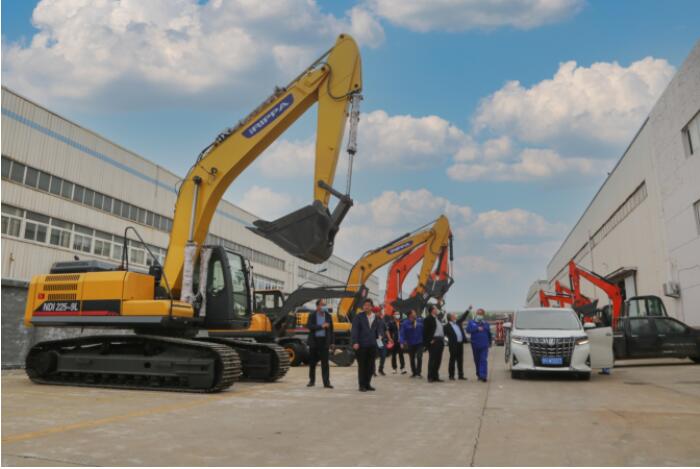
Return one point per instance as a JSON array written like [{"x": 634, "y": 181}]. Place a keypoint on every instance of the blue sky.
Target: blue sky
[{"x": 513, "y": 165}]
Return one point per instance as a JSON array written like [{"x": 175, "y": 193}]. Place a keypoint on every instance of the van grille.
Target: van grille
[{"x": 551, "y": 347}]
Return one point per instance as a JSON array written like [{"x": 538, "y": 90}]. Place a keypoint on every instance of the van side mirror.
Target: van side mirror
[{"x": 507, "y": 325}]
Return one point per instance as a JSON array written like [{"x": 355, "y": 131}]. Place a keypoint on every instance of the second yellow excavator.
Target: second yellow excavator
[{"x": 200, "y": 288}]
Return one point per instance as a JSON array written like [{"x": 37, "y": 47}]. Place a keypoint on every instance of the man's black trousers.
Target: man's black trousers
[
  {"x": 435, "y": 358},
  {"x": 316, "y": 354},
  {"x": 456, "y": 358},
  {"x": 365, "y": 358},
  {"x": 415, "y": 358}
]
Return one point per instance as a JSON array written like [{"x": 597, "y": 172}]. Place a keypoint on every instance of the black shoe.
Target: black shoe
[
  {"x": 374, "y": 375},
  {"x": 438, "y": 380},
  {"x": 403, "y": 372},
  {"x": 413, "y": 376},
  {"x": 430, "y": 380},
  {"x": 311, "y": 384},
  {"x": 452, "y": 378},
  {"x": 328, "y": 385},
  {"x": 363, "y": 389},
  {"x": 382, "y": 373},
  {"x": 370, "y": 388},
  {"x": 462, "y": 378}
]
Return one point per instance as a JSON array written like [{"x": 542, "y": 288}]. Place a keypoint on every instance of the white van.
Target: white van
[{"x": 554, "y": 340}]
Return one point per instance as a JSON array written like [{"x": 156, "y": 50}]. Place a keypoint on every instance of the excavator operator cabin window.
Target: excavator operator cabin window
[{"x": 239, "y": 284}]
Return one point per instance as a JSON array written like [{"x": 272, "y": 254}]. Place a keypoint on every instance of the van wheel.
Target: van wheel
[
  {"x": 695, "y": 359},
  {"x": 514, "y": 374}
]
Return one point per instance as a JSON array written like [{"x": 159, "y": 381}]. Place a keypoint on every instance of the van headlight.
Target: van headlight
[
  {"x": 519, "y": 340},
  {"x": 582, "y": 340}
]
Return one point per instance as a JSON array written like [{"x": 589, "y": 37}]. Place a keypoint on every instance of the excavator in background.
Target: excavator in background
[
  {"x": 437, "y": 285},
  {"x": 436, "y": 238},
  {"x": 546, "y": 299},
  {"x": 185, "y": 314}
]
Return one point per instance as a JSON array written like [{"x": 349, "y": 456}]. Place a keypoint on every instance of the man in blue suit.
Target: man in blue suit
[
  {"x": 481, "y": 341},
  {"x": 364, "y": 341}
]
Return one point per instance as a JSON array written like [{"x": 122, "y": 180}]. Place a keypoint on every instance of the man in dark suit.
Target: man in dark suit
[
  {"x": 456, "y": 338},
  {"x": 320, "y": 326},
  {"x": 364, "y": 342},
  {"x": 434, "y": 341}
]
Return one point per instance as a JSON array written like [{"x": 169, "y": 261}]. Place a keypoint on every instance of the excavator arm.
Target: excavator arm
[
  {"x": 435, "y": 287},
  {"x": 576, "y": 273},
  {"x": 435, "y": 238},
  {"x": 334, "y": 81},
  {"x": 547, "y": 297}
]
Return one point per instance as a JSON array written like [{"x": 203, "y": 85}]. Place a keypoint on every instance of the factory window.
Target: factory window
[
  {"x": 691, "y": 135},
  {"x": 32, "y": 177},
  {"x": 17, "y": 172},
  {"x": 137, "y": 255},
  {"x": 55, "y": 185},
  {"x": 11, "y": 220},
  {"x": 6, "y": 163},
  {"x": 262, "y": 282},
  {"x": 696, "y": 207},
  {"x": 60, "y": 233},
  {"x": 117, "y": 251},
  {"x": 36, "y": 227},
  {"x": 107, "y": 203},
  {"x": 98, "y": 201},
  {"x": 103, "y": 243},
  {"x": 44, "y": 181},
  {"x": 117, "y": 207},
  {"x": 78, "y": 193},
  {"x": 67, "y": 189},
  {"x": 89, "y": 195}
]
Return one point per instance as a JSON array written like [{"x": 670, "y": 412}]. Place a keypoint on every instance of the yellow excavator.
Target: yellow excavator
[
  {"x": 200, "y": 288},
  {"x": 436, "y": 237}
]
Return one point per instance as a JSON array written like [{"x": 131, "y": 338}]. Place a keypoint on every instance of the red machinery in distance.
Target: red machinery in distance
[
  {"x": 546, "y": 299},
  {"x": 583, "y": 304},
  {"x": 438, "y": 284}
]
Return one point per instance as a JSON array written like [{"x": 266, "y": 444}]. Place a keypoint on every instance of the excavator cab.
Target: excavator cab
[
  {"x": 307, "y": 233},
  {"x": 227, "y": 293}
]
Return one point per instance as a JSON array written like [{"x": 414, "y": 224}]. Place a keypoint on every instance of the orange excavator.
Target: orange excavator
[
  {"x": 437, "y": 286},
  {"x": 584, "y": 305},
  {"x": 546, "y": 299}
]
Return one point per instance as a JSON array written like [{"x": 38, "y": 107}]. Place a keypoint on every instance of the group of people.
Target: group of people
[{"x": 375, "y": 335}]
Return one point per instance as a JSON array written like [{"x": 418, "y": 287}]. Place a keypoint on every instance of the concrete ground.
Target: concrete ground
[{"x": 645, "y": 414}]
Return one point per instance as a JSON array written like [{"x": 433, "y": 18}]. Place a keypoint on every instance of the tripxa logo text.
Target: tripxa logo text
[
  {"x": 276, "y": 111},
  {"x": 400, "y": 247}
]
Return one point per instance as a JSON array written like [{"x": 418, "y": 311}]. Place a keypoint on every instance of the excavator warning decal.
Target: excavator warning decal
[{"x": 269, "y": 116}]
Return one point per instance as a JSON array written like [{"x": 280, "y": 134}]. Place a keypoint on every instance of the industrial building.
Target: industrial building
[
  {"x": 641, "y": 231},
  {"x": 69, "y": 192}
]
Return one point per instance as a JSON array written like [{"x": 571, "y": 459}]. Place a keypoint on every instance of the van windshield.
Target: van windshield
[{"x": 547, "y": 319}]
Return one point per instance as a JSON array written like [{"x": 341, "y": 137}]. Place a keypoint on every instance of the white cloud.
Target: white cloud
[
  {"x": 266, "y": 203},
  {"x": 464, "y": 265},
  {"x": 528, "y": 165},
  {"x": 414, "y": 142},
  {"x": 580, "y": 107},
  {"x": 410, "y": 209},
  {"x": 133, "y": 52},
  {"x": 383, "y": 141},
  {"x": 515, "y": 223},
  {"x": 461, "y": 15}
]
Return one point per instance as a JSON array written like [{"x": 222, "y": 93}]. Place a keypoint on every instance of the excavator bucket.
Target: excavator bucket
[
  {"x": 404, "y": 305},
  {"x": 438, "y": 288},
  {"x": 307, "y": 233}
]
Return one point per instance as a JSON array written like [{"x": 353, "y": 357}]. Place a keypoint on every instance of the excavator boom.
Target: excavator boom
[
  {"x": 334, "y": 81},
  {"x": 576, "y": 273}
]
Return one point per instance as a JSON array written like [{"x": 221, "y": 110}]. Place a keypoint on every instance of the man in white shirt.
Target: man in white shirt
[{"x": 456, "y": 337}]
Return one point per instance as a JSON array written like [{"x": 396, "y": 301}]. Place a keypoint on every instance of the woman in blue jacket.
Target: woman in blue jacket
[{"x": 480, "y": 332}]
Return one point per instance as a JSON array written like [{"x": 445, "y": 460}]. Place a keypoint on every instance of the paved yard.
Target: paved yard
[{"x": 645, "y": 414}]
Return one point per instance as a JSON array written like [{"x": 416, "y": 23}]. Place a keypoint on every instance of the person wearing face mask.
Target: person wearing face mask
[
  {"x": 456, "y": 337},
  {"x": 364, "y": 341},
  {"x": 320, "y": 326},
  {"x": 481, "y": 341}
]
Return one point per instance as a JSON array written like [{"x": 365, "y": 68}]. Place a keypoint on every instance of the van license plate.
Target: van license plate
[{"x": 552, "y": 361}]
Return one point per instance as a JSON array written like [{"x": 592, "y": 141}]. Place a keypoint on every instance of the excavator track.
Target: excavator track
[
  {"x": 261, "y": 361},
  {"x": 135, "y": 362}
]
